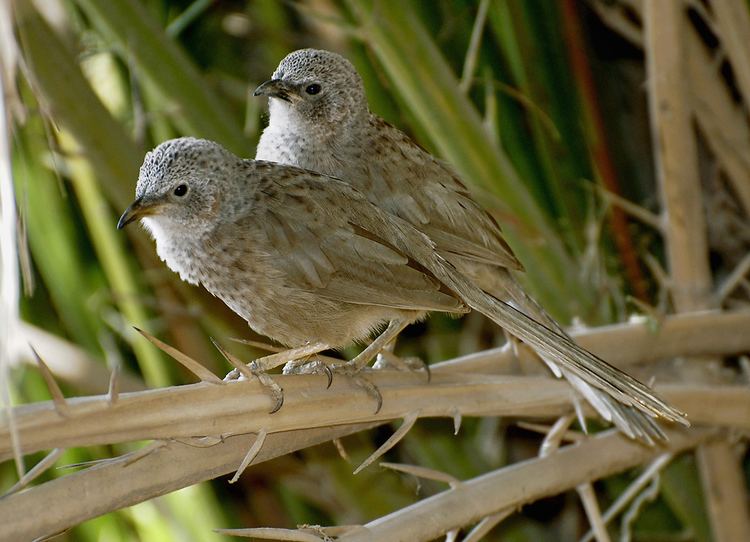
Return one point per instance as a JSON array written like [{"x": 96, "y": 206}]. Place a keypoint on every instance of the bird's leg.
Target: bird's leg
[
  {"x": 373, "y": 349},
  {"x": 266, "y": 363},
  {"x": 351, "y": 368}
]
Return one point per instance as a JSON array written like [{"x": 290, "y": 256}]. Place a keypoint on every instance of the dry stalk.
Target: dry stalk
[
  {"x": 518, "y": 484},
  {"x": 725, "y": 492},
  {"x": 714, "y": 110},
  {"x": 243, "y": 407},
  {"x": 423, "y": 472},
  {"x": 569, "y": 435},
  {"x": 252, "y": 453},
  {"x": 676, "y": 154},
  {"x": 58, "y": 399},
  {"x": 271, "y": 533},
  {"x": 175, "y": 465},
  {"x": 120, "y": 482},
  {"x": 486, "y": 525},
  {"x": 68, "y": 362},
  {"x": 409, "y": 421},
  {"x": 631, "y": 514},
  {"x": 717, "y": 116},
  {"x": 694, "y": 334},
  {"x": 554, "y": 437},
  {"x": 734, "y": 279},
  {"x": 665, "y": 34},
  {"x": 733, "y": 25},
  {"x": 186, "y": 361},
  {"x": 36, "y": 471},
  {"x": 634, "y": 210},
  {"x": 614, "y": 16},
  {"x": 593, "y": 513},
  {"x": 632, "y": 491}
]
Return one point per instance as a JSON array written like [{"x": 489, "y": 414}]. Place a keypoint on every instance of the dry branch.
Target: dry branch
[
  {"x": 717, "y": 115},
  {"x": 676, "y": 154},
  {"x": 666, "y": 35},
  {"x": 67, "y": 501},
  {"x": 713, "y": 107},
  {"x": 632, "y": 491},
  {"x": 68, "y": 362},
  {"x": 733, "y": 24},
  {"x": 518, "y": 484},
  {"x": 242, "y": 407},
  {"x": 727, "y": 501},
  {"x": 691, "y": 334}
]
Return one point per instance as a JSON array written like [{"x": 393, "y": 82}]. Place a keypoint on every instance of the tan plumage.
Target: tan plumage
[
  {"x": 307, "y": 259},
  {"x": 332, "y": 131}
]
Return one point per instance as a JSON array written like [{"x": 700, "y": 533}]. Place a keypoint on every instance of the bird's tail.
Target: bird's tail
[{"x": 632, "y": 406}]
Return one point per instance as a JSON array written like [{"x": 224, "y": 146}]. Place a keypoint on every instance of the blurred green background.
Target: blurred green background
[{"x": 536, "y": 102}]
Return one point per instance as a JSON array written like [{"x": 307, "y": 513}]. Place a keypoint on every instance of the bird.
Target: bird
[
  {"x": 307, "y": 260},
  {"x": 319, "y": 120}
]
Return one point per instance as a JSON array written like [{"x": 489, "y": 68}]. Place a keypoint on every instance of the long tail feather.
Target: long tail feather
[{"x": 617, "y": 396}]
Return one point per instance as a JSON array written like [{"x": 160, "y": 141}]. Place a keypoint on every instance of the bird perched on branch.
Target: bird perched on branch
[
  {"x": 319, "y": 120},
  {"x": 308, "y": 261}
]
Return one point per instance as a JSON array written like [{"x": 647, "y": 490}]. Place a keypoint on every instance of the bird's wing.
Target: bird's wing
[
  {"x": 318, "y": 249},
  {"x": 410, "y": 183},
  {"x": 616, "y": 395},
  {"x": 328, "y": 210}
]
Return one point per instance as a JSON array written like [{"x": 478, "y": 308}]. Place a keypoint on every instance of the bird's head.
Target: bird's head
[
  {"x": 181, "y": 186},
  {"x": 318, "y": 88}
]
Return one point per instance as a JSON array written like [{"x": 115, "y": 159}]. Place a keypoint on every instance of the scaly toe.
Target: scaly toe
[
  {"x": 353, "y": 372},
  {"x": 389, "y": 360},
  {"x": 371, "y": 389},
  {"x": 276, "y": 391},
  {"x": 234, "y": 375}
]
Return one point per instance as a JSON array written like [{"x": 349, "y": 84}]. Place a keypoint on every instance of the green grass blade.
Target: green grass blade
[
  {"x": 200, "y": 110},
  {"x": 68, "y": 98},
  {"x": 430, "y": 89}
]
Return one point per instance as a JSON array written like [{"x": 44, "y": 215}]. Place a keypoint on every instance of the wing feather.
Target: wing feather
[{"x": 326, "y": 254}]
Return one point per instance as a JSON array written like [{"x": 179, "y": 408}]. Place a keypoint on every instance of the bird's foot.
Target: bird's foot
[
  {"x": 234, "y": 375},
  {"x": 251, "y": 370},
  {"x": 261, "y": 366},
  {"x": 354, "y": 371},
  {"x": 388, "y": 360},
  {"x": 307, "y": 367},
  {"x": 330, "y": 367},
  {"x": 276, "y": 391}
]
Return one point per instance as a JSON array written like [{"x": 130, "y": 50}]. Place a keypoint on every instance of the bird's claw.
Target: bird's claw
[
  {"x": 304, "y": 367},
  {"x": 276, "y": 391},
  {"x": 371, "y": 389},
  {"x": 329, "y": 369},
  {"x": 233, "y": 375},
  {"x": 354, "y": 372},
  {"x": 387, "y": 359}
]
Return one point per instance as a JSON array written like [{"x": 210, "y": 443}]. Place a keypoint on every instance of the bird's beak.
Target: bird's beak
[
  {"x": 137, "y": 209},
  {"x": 275, "y": 88}
]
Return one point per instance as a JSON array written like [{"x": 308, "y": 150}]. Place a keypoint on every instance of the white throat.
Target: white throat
[{"x": 174, "y": 246}]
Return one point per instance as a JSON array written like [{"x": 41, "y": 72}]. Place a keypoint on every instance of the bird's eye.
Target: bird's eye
[
  {"x": 312, "y": 89},
  {"x": 180, "y": 190}
]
